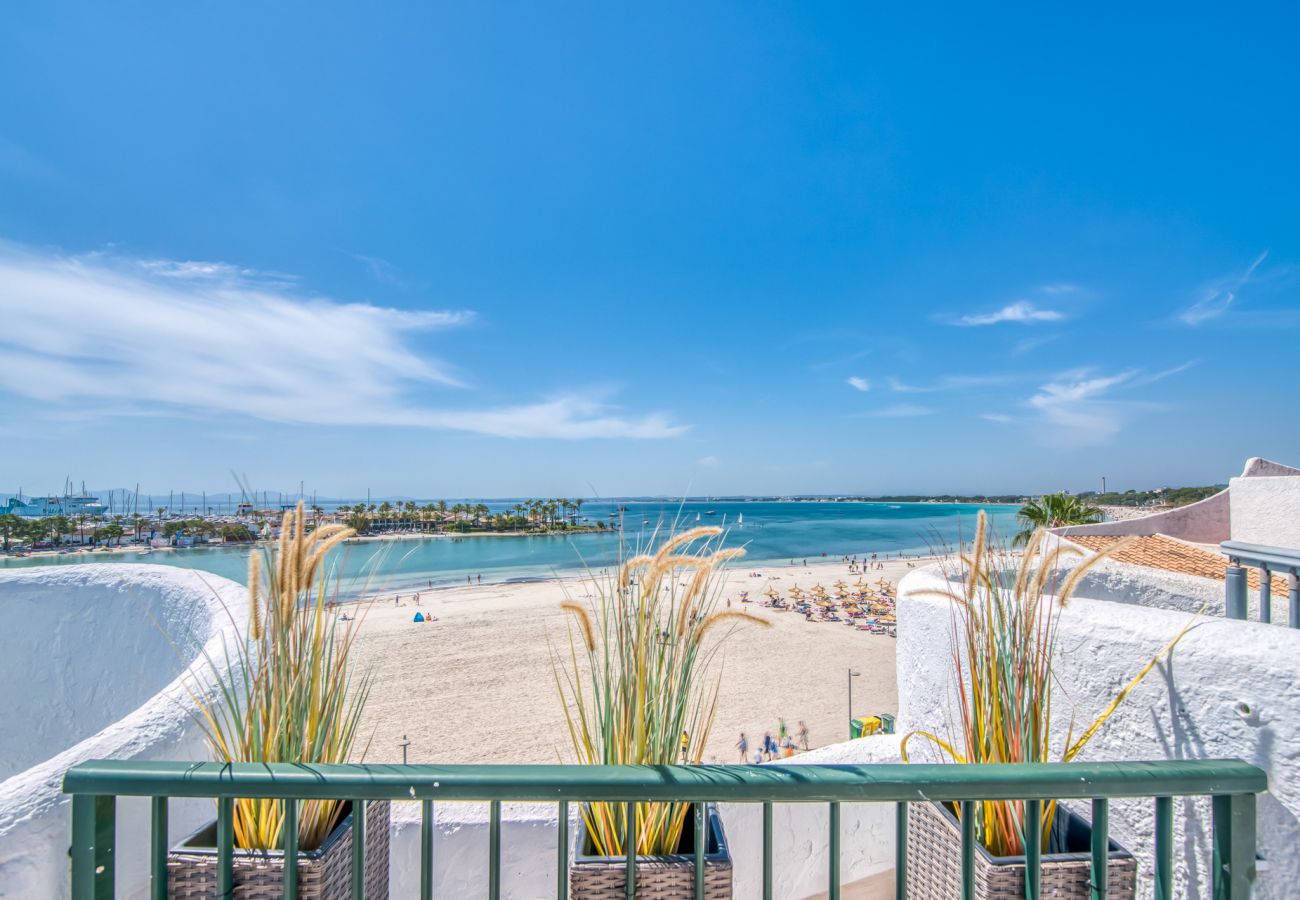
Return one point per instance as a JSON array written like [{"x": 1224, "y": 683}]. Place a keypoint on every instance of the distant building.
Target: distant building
[{"x": 40, "y": 507}]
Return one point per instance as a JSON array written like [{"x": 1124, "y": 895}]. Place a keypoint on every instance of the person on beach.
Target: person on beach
[
  {"x": 803, "y": 734},
  {"x": 686, "y": 743},
  {"x": 743, "y": 746}
]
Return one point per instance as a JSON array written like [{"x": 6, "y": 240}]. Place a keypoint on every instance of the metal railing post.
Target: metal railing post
[
  {"x": 93, "y": 831},
  {"x": 1234, "y": 846},
  {"x": 1234, "y": 596},
  {"x": 1294, "y": 583}
]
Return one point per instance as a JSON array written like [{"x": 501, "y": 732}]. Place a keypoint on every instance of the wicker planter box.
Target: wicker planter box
[
  {"x": 323, "y": 874},
  {"x": 934, "y": 861},
  {"x": 657, "y": 877}
]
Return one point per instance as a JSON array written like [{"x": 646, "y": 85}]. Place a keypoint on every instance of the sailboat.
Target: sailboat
[{"x": 740, "y": 520}]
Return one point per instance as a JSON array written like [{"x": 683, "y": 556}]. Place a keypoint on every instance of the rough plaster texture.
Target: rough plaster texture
[
  {"x": 1266, "y": 510},
  {"x": 1227, "y": 691},
  {"x": 93, "y": 646}
]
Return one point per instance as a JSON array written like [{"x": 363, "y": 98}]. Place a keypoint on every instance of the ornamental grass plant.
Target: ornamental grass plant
[
  {"x": 292, "y": 695},
  {"x": 636, "y": 682},
  {"x": 1005, "y": 627}
]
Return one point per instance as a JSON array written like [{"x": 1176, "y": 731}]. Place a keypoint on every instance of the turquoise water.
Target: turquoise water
[{"x": 771, "y": 532}]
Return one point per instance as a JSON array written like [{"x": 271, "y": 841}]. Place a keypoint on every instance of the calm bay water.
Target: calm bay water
[{"x": 771, "y": 532}]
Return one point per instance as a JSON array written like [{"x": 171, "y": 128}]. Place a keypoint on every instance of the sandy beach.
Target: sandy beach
[{"x": 476, "y": 685}]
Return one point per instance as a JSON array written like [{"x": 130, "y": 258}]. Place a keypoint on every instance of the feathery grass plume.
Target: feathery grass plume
[
  {"x": 295, "y": 696},
  {"x": 1004, "y": 628},
  {"x": 636, "y": 679},
  {"x": 732, "y": 615},
  {"x": 579, "y": 612},
  {"x": 254, "y": 606}
]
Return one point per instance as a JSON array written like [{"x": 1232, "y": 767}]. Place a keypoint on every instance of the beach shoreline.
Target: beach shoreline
[{"x": 475, "y": 684}]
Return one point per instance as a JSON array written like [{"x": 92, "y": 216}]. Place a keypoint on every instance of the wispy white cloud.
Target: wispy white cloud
[
  {"x": 708, "y": 461},
  {"x": 858, "y": 384},
  {"x": 1218, "y": 296},
  {"x": 381, "y": 270},
  {"x": 1001, "y": 418},
  {"x": 118, "y": 335},
  {"x": 1077, "y": 411},
  {"x": 949, "y": 383},
  {"x": 1021, "y": 311},
  {"x": 1058, "y": 288},
  {"x": 1153, "y": 377},
  {"x": 902, "y": 411},
  {"x": 1026, "y": 345}
]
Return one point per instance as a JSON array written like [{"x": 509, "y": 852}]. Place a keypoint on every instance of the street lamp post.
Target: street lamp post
[
  {"x": 852, "y": 675},
  {"x": 405, "y": 743}
]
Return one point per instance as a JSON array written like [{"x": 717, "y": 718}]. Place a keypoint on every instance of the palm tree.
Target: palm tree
[
  {"x": 576, "y": 503},
  {"x": 1053, "y": 511}
]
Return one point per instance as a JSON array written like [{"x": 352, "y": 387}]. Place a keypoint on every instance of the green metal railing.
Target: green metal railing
[{"x": 1233, "y": 784}]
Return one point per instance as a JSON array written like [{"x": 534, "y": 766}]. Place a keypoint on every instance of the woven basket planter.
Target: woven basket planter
[
  {"x": 323, "y": 874},
  {"x": 657, "y": 877},
  {"x": 934, "y": 861}
]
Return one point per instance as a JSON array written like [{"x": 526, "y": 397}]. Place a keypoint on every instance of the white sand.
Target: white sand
[{"x": 476, "y": 686}]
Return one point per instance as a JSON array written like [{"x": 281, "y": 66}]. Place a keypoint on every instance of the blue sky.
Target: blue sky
[{"x": 537, "y": 249}]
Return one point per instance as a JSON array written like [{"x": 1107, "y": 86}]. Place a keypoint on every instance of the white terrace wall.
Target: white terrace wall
[
  {"x": 1228, "y": 691},
  {"x": 1266, "y": 510},
  {"x": 91, "y": 658}
]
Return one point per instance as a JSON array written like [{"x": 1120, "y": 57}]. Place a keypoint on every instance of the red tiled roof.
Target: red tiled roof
[{"x": 1159, "y": 551}]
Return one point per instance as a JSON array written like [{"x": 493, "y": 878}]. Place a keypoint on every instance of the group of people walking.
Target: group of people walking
[{"x": 771, "y": 747}]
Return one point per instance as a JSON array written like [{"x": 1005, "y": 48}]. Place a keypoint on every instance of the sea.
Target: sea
[{"x": 772, "y": 532}]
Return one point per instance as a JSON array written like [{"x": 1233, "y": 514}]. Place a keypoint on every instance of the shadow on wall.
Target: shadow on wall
[{"x": 103, "y": 650}]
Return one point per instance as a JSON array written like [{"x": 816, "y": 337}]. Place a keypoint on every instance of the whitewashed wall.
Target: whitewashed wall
[
  {"x": 92, "y": 658},
  {"x": 1228, "y": 691},
  {"x": 1266, "y": 510}
]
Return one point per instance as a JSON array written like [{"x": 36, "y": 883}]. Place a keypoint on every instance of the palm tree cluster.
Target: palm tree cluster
[
  {"x": 529, "y": 515},
  {"x": 1053, "y": 511}
]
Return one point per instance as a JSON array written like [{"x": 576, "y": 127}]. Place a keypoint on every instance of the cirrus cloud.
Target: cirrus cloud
[
  {"x": 1021, "y": 311},
  {"x": 116, "y": 334}
]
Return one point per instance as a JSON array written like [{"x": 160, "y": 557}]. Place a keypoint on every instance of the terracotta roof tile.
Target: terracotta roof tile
[{"x": 1159, "y": 551}]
